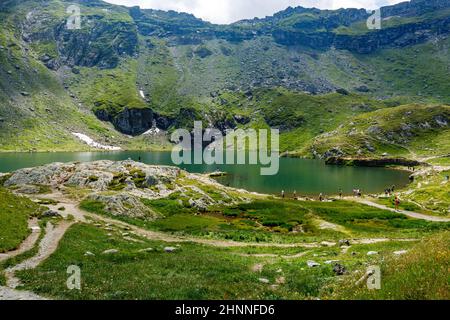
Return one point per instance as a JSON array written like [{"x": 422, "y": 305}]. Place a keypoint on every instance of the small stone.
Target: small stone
[
  {"x": 344, "y": 243},
  {"x": 280, "y": 280},
  {"x": 89, "y": 254},
  {"x": 24, "y": 93},
  {"x": 169, "y": 249},
  {"x": 339, "y": 269},
  {"x": 313, "y": 264},
  {"x": 372, "y": 253},
  {"x": 111, "y": 251},
  {"x": 401, "y": 252},
  {"x": 147, "y": 250},
  {"x": 50, "y": 213},
  {"x": 264, "y": 280}
]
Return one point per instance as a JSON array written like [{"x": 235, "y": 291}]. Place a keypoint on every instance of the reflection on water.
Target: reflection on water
[{"x": 308, "y": 177}]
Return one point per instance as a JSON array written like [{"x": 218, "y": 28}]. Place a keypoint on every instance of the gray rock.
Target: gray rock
[
  {"x": 339, "y": 269},
  {"x": 264, "y": 280},
  {"x": 372, "y": 253},
  {"x": 111, "y": 251},
  {"x": 170, "y": 249},
  {"x": 312, "y": 264},
  {"x": 89, "y": 254},
  {"x": 344, "y": 243},
  {"x": 50, "y": 213}
]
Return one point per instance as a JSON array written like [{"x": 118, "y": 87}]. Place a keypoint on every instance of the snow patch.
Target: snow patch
[
  {"x": 152, "y": 131},
  {"x": 89, "y": 141},
  {"x": 142, "y": 94}
]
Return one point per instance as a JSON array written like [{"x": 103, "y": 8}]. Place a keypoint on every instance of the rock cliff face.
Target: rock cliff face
[{"x": 134, "y": 121}]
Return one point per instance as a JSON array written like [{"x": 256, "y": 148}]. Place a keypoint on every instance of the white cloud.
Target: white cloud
[{"x": 227, "y": 11}]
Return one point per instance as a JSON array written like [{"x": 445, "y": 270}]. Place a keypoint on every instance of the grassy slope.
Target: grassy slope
[
  {"x": 421, "y": 274},
  {"x": 14, "y": 214},
  {"x": 191, "y": 272},
  {"x": 387, "y": 130},
  {"x": 277, "y": 221},
  {"x": 432, "y": 192}
]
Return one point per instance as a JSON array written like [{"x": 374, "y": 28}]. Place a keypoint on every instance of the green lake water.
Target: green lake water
[{"x": 307, "y": 177}]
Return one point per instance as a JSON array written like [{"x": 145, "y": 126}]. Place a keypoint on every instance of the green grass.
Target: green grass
[
  {"x": 199, "y": 272},
  {"x": 431, "y": 192},
  {"x": 421, "y": 274},
  {"x": 276, "y": 220},
  {"x": 364, "y": 220},
  {"x": 14, "y": 214},
  {"x": 400, "y": 131},
  {"x": 192, "y": 272}
]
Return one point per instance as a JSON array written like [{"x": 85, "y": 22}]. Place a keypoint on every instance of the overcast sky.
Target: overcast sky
[{"x": 227, "y": 11}]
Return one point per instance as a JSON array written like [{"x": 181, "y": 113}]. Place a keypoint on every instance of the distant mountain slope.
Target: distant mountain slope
[
  {"x": 414, "y": 131},
  {"x": 128, "y": 70}
]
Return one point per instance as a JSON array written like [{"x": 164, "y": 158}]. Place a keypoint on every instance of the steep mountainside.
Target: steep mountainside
[{"x": 128, "y": 70}]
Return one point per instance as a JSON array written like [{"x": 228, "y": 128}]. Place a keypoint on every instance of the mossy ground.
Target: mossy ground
[
  {"x": 191, "y": 272},
  {"x": 420, "y": 274},
  {"x": 14, "y": 214}
]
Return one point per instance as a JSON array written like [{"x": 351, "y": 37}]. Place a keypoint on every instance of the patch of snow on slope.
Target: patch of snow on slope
[
  {"x": 89, "y": 141},
  {"x": 142, "y": 94},
  {"x": 152, "y": 131}
]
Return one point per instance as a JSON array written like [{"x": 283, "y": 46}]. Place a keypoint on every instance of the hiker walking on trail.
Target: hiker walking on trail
[
  {"x": 295, "y": 194},
  {"x": 321, "y": 197},
  {"x": 282, "y": 194},
  {"x": 397, "y": 203},
  {"x": 340, "y": 193}
]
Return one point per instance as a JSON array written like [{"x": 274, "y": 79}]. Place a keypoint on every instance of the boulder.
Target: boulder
[
  {"x": 50, "y": 213},
  {"x": 111, "y": 251},
  {"x": 312, "y": 264},
  {"x": 170, "y": 249},
  {"x": 339, "y": 269}
]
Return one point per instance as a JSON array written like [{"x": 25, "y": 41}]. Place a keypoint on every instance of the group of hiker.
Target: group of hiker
[
  {"x": 357, "y": 192},
  {"x": 389, "y": 191}
]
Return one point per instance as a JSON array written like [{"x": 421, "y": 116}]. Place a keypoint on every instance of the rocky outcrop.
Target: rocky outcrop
[
  {"x": 120, "y": 204},
  {"x": 98, "y": 176},
  {"x": 100, "y": 42},
  {"x": 132, "y": 121},
  {"x": 368, "y": 162}
]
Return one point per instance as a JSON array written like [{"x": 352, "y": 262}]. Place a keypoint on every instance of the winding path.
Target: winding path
[
  {"x": 29, "y": 242},
  {"x": 54, "y": 234},
  {"x": 410, "y": 214}
]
